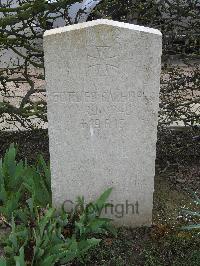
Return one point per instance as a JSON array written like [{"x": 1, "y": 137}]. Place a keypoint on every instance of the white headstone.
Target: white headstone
[{"x": 103, "y": 96}]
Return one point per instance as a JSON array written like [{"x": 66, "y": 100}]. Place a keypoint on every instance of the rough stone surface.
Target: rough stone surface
[{"x": 103, "y": 96}]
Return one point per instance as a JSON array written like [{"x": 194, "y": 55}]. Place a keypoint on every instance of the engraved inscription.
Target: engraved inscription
[
  {"x": 109, "y": 109},
  {"x": 111, "y": 95},
  {"x": 102, "y": 61},
  {"x": 103, "y": 123}
]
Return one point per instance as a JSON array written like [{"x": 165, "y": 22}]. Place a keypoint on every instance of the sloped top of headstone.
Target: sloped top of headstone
[{"x": 102, "y": 22}]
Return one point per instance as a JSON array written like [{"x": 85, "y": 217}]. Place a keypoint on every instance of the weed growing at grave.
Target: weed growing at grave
[
  {"x": 19, "y": 182},
  {"x": 39, "y": 235},
  {"x": 192, "y": 214}
]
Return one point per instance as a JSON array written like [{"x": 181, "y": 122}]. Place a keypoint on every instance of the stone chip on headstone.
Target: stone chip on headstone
[{"x": 103, "y": 81}]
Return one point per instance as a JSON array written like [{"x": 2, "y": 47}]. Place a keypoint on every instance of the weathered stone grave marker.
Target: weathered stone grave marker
[{"x": 103, "y": 95}]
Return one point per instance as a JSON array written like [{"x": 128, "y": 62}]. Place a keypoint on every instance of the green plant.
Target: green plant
[
  {"x": 89, "y": 216},
  {"x": 192, "y": 214},
  {"x": 42, "y": 242},
  {"x": 39, "y": 234},
  {"x": 42, "y": 237},
  {"x": 19, "y": 181},
  {"x": 38, "y": 182}
]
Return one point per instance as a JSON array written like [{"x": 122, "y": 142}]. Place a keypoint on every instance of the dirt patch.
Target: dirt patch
[
  {"x": 178, "y": 154},
  {"x": 29, "y": 144}
]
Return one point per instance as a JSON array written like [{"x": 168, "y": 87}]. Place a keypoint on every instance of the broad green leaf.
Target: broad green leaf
[
  {"x": 20, "y": 260},
  {"x": 21, "y": 214},
  {"x": 96, "y": 224},
  {"x": 70, "y": 253},
  {"x": 3, "y": 262},
  {"x": 110, "y": 228},
  {"x": 49, "y": 261},
  {"x": 102, "y": 199},
  {"x": 80, "y": 228},
  {"x": 3, "y": 194},
  {"x": 85, "y": 245},
  {"x": 1, "y": 174},
  {"x": 45, "y": 220},
  {"x": 9, "y": 161}
]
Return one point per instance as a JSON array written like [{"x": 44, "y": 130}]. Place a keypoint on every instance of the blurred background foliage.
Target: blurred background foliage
[{"x": 22, "y": 87}]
